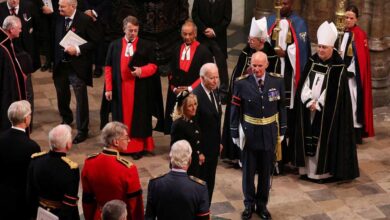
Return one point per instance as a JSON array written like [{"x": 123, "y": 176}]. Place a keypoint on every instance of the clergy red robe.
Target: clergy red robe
[
  {"x": 131, "y": 102},
  {"x": 363, "y": 58},
  {"x": 184, "y": 73}
]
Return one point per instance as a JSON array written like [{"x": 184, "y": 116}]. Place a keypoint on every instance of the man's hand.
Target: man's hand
[
  {"x": 280, "y": 53},
  {"x": 46, "y": 10},
  {"x": 313, "y": 106},
  {"x": 180, "y": 89},
  {"x": 137, "y": 72},
  {"x": 108, "y": 95},
  {"x": 71, "y": 50},
  {"x": 209, "y": 32},
  {"x": 202, "y": 158},
  {"x": 220, "y": 148},
  {"x": 90, "y": 14}
]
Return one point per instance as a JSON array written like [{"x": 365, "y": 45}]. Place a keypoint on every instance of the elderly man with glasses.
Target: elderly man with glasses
[{"x": 107, "y": 176}]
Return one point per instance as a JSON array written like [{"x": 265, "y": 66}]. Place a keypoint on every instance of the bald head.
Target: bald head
[{"x": 259, "y": 63}]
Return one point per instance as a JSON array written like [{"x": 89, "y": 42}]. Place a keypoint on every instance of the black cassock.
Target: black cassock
[
  {"x": 12, "y": 79},
  {"x": 333, "y": 125}
]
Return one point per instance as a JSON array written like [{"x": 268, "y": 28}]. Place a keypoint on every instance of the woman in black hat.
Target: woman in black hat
[{"x": 184, "y": 127}]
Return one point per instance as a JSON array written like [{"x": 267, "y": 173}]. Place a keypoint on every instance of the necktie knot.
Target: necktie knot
[
  {"x": 13, "y": 11},
  {"x": 213, "y": 100},
  {"x": 67, "y": 23},
  {"x": 261, "y": 85}
]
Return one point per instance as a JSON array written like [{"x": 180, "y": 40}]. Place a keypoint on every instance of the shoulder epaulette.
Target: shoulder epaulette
[
  {"x": 72, "y": 164},
  {"x": 278, "y": 75},
  {"x": 124, "y": 162},
  {"x": 244, "y": 76},
  {"x": 92, "y": 155},
  {"x": 35, "y": 155},
  {"x": 158, "y": 176},
  {"x": 197, "y": 180}
]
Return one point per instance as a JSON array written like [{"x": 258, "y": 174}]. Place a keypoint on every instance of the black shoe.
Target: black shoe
[
  {"x": 136, "y": 156},
  {"x": 98, "y": 72},
  {"x": 80, "y": 138},
  {"x": 247, "y": 213},
  {"x": 263, "y": 212}
]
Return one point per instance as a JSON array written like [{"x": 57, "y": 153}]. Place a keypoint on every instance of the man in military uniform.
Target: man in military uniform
[
  {"x": 257, "y": 41},
  {"x": 258, "y": 108},
  {"x": 53, "y": 179},
  {"x": 107, "y": 176},
  {"x": 176, "y": 195}
]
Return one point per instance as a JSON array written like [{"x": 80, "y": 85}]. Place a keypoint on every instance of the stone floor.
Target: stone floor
[{"x": 367, "y": 197}]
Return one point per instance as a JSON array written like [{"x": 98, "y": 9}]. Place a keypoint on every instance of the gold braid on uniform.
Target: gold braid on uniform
[
  {"x": 278, "y": 75},
  {"x": 35, "y": 155},
  {"x": 197, "y": 180},
  {"x": 123, "y": 161},
  {"x": 72, "y": 164}
]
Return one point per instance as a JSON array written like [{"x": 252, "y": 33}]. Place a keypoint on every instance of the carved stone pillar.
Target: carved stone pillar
[
  {"x": 379, "y": 50},
  {"x": 263, "y": 8}
]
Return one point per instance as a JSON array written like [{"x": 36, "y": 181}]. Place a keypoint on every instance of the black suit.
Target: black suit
[
  {"x": 216, "y": 15},
  {"x": 209, "y": 120},
  {"x": 15, "y": 152},
  {"x": 74, "y": 70},
  {"x": 103, "y": 9}
]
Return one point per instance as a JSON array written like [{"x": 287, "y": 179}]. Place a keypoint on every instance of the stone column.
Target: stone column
[
  {"x": 263, "y": 8},
  {"x": 378, "y": 52}
]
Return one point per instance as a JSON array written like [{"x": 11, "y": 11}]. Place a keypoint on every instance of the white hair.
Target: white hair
[
  {"x": 18, "y": 111},
  {"x": 206, "y": 68},
  {"x": 10, "y": 22},
  {"x": 180, "y": 154},
  {"x": 112, "y": 131},
  {"x": 114, "y": 210},
  {"x": 60, "y": 136}
]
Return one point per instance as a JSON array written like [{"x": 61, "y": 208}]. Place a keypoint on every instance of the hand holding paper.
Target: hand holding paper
[{"x": 72, "y": 39}]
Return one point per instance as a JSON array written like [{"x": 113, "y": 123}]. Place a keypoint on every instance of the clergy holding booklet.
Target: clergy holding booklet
[{"x": 323, "y": 144}]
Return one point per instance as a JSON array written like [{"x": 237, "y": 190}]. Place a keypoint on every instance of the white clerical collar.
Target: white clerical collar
[
  {"x": 20, "y": 129},
  {"x": 129, "y": 41},
  {"x": 178, "y": 170},
  {"x": 16, "y": 7}
]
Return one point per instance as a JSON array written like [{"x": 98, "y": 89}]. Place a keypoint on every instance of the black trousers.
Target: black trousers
[
  {"x": 252, "y": 161},
  {"x": 207, "y": 173},
  {"x": 63, "y": 78}
]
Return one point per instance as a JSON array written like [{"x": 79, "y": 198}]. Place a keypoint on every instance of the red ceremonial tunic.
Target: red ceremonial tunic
[
  {"x": 105, "y": 177},
  {"x": 128, "y": 85}
]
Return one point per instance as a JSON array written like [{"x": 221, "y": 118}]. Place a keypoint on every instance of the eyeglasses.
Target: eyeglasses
[{"x": 126, "y": 138}]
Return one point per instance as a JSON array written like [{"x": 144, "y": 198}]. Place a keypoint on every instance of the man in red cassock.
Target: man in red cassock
[
  {"x": 187, "y": 60},
  {"x": 107, "y": 176},
  {"x": 131, "y": 84}
]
